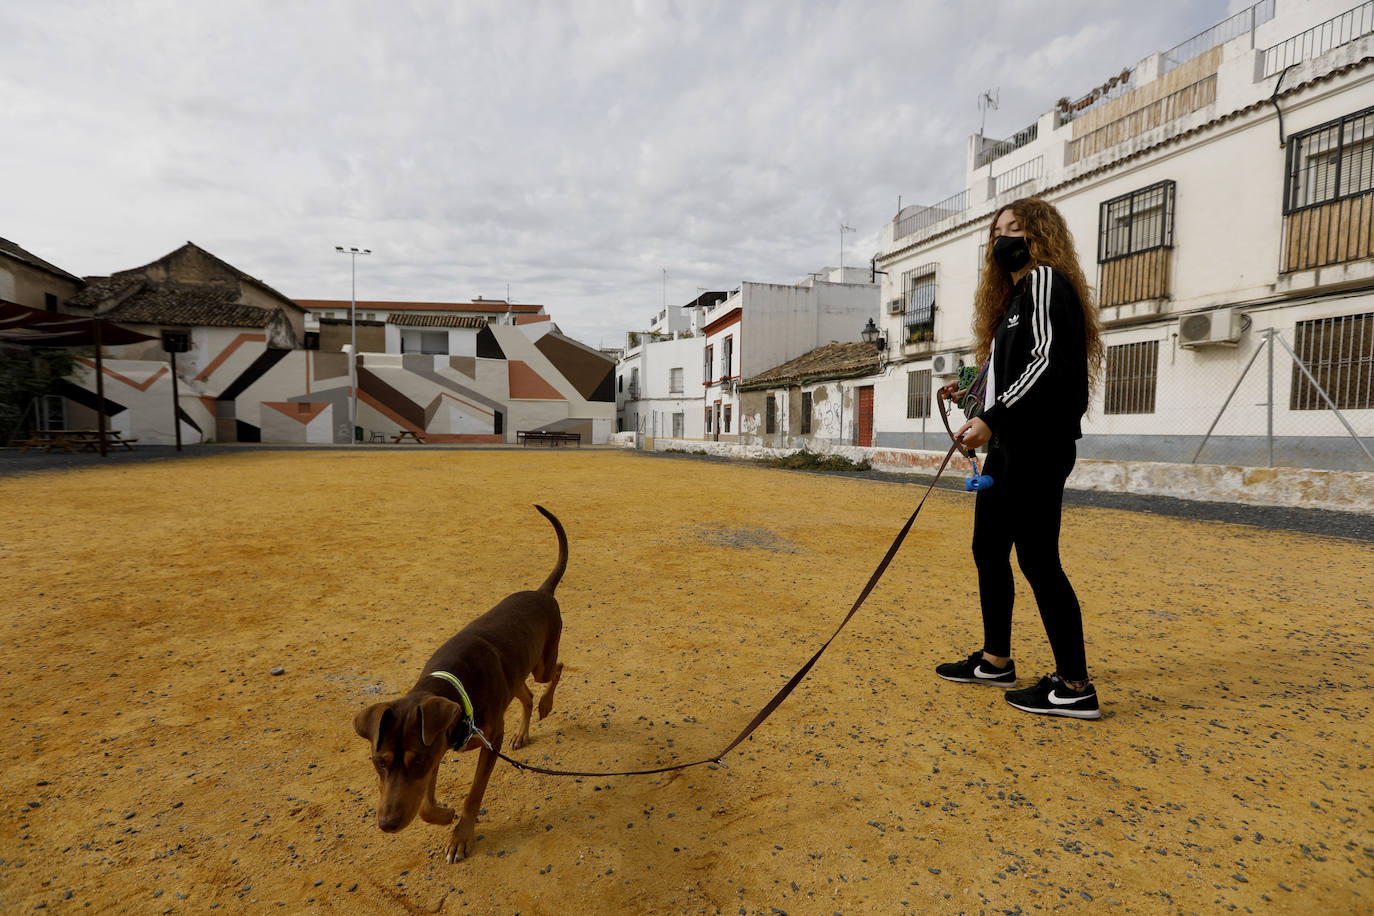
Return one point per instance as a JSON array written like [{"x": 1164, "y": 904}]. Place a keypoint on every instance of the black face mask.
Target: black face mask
[{"x": 1011, "y": 253}]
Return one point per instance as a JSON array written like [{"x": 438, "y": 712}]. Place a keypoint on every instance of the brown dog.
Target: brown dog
[{"x": 464, "y": 690}]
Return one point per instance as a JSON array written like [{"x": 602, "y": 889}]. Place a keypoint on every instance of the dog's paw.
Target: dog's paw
[
  {"x": 456, "y": 849},
  {"x": 437, "y": 815},
  {"x": 519, "y": 741}
]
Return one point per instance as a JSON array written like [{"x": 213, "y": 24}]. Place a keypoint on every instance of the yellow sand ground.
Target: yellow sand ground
[{"x": 153, "y": 764}]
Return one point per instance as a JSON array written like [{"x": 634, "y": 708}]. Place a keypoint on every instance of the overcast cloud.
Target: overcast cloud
[{"x": 568, "y": 151}]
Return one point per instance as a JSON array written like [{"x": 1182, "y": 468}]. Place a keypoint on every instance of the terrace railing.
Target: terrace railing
[
  {"x": 924, "y": 217},
  {"x": 1340, "y": 30},
  {"x": 1161, "y": 111},
  {"x": 996, "y": 149},
  {"x": 1244, "y": 21},
  {"x": 1015, "y": 177}
]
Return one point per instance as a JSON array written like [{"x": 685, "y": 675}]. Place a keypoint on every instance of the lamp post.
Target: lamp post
[
  {"x": 353, "y": 337},
  {"x": 872, "y": 334}
]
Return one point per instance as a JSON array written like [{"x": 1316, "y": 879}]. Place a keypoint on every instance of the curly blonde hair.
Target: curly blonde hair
[{"x": 1051, "y": 243}]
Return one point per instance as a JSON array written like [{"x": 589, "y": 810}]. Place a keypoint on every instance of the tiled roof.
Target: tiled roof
[
  {"x": 488, "y": 306},
  {"x": 437, "y": 321},
  {"x": 200, "y": 305},
  {"x": 19, "y": 254},
  {"x": 834, "y": 360},
  {"x": 193, "y": 247},
  {"x": 100, "y": 289}
]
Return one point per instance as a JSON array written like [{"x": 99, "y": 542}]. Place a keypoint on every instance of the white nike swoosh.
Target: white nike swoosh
[
  {"x": 978, "y": 672},
  {"x": 1063, "y": 701}
]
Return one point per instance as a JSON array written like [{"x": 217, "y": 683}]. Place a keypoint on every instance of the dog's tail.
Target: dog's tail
[{"x": 552, "y": 581}]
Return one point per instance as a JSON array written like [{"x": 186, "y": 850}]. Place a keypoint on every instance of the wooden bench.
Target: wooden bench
[
  {"x": 546, "y": 437},
  {"x": 74, "y": 440}
]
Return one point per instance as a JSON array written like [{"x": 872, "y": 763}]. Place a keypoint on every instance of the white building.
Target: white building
[
  {"x": 1217, "y": 192},
  {"x": 763, "y": 325},
  {"x": 658, "y": 377}
]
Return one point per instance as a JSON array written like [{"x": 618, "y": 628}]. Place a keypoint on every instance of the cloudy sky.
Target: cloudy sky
[{"x": 569, "y": 152}]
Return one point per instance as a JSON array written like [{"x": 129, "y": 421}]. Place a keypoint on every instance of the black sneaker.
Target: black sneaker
[
  {"x": 1053, "y": 697},
  {"x": 977, "y": 670}
]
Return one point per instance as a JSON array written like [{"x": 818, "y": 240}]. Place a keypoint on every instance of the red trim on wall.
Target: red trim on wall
[
  {"x": 141, "y": 386},
  {"x": 228, "y": 352},
  {"x": 724, "y": 321}
]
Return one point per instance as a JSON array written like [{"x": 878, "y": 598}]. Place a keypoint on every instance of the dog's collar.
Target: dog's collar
[{"x": 469, "y": 725}]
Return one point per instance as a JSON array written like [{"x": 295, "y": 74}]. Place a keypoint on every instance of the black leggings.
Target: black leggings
[{"x": 1022, "y": 508}]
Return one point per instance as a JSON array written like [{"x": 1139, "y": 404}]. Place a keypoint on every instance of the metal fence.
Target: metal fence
[
  {"x": 1014, "y": 177},
  {"x": 996, "y": 149},
  {"x": 924, "y": 217},
  {"x": 1300, "y": 396},
  {"x": 1339, "y": 30},
  {"x": 1244, "y": 21}
]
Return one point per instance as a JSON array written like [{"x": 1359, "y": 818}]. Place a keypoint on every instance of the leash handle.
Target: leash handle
[{"x": 796, "y": 679}]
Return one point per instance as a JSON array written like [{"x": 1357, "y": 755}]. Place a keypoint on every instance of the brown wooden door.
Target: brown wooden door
[{"x": 865, "y": 415}]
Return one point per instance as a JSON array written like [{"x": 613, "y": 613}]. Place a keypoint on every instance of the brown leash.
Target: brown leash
[{"x": 796, "y": 679}]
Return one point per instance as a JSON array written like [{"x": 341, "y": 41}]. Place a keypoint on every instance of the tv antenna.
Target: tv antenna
[{"x": 985, "y": 101}]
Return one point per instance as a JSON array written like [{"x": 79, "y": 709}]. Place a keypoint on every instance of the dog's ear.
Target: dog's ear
[
  {"x": 368, "y": 722},
  {"x": 437, "y": 716}
]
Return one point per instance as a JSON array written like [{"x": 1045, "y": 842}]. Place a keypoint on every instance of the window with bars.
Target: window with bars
[
  {"x": 727, "y": 351},
  {"x": 1132, "y": 370},
  {"x": 770, "y": 415},
  {"x": 1142, "y": 220},
  {"x": 918, "y": 394},
  {"x": 806, "y": 413},
  {"x": 727, "y": 417},
  {"x": 1339, "y": 352},
  {"x": 918, "y": 291},
  {"x": 675, "y": 381},
  {"x": 709, "y": 408},
  {"x": 1331, "y": 162},
  {"x": 706, "y": 373}
]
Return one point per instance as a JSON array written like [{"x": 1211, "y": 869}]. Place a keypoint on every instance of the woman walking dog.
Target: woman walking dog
[{"x": 1036, "y": 328}]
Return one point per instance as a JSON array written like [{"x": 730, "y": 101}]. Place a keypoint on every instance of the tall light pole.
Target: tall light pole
[{"x": 353, "y": 336}]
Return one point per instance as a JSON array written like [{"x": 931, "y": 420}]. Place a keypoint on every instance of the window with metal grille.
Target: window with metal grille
[
  {"x": 1131, "y": 373},
  {"x": 675, "y": 381},
  {"x": 918, "y": 289},
  {"x": 1331, "y": 162},
  {"x": 770, "y": 413},
  {"x": 1140, "y": 221},
  {"x": 1339, "y": 352},
  {"x": 710, "y": 362},
  {"x": 918, "y": 394},
  {"x": 708, "y": 418},
  {"x": 806, "y": 413},
  {"x": 727, "y": 351},
  {"x": 727, "y": 417}
]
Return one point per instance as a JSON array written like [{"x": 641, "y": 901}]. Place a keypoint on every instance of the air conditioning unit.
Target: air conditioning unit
[
  {"x": 945, "y": 364},
  {"x": 896, "y": 306},
  {"x": 1217, "y": 328}
]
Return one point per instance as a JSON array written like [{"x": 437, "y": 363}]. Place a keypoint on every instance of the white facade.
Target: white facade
[
  {"x": 762, "y": 325},
  {"x": 1204, "y": 133},
  {"x": 658, "y": 389}
]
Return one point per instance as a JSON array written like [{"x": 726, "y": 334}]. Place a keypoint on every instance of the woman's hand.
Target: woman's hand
[
  {"x": 974, "y": 433},
  {"x": 952, "y": 391}
]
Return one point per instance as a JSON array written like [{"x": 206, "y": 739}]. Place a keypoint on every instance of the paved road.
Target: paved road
[{"x": 1349, "y": 525}]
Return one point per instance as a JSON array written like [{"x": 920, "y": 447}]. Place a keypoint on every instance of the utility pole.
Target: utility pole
[{"x": 353, "y": 337}]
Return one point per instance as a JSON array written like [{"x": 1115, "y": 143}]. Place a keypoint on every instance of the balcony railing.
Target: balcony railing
[
  {"x": 1011, "y": 178},
  {"x": 924, "y": 217},
  {"x": 1316, "y": 41},
  {"x": 1244, "y": 21},
  {"x": 996, "y": 149}
]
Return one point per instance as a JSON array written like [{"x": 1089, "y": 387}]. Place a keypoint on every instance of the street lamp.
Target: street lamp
[
  {"x": 873, "y": 335},
  {"x": 353, "y": 336}
]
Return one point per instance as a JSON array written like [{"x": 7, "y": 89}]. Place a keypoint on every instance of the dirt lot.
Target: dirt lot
[{"x": 156, "y": 765}]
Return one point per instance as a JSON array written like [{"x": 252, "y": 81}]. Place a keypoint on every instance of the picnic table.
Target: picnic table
[
  {"x": 74, "y": 440},
  {"x": 407, "y": 435},
  {"x": 547, "y": 437}
]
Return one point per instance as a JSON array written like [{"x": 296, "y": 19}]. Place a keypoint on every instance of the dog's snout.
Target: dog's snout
[{"x": 390, "y": 823}]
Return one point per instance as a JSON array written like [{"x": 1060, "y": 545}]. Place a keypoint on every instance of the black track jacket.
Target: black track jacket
[{"x": 1039, "y": 361}]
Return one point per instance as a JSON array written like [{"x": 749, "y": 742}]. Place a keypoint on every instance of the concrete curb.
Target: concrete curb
[{"x": 1305, "y": 488}]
